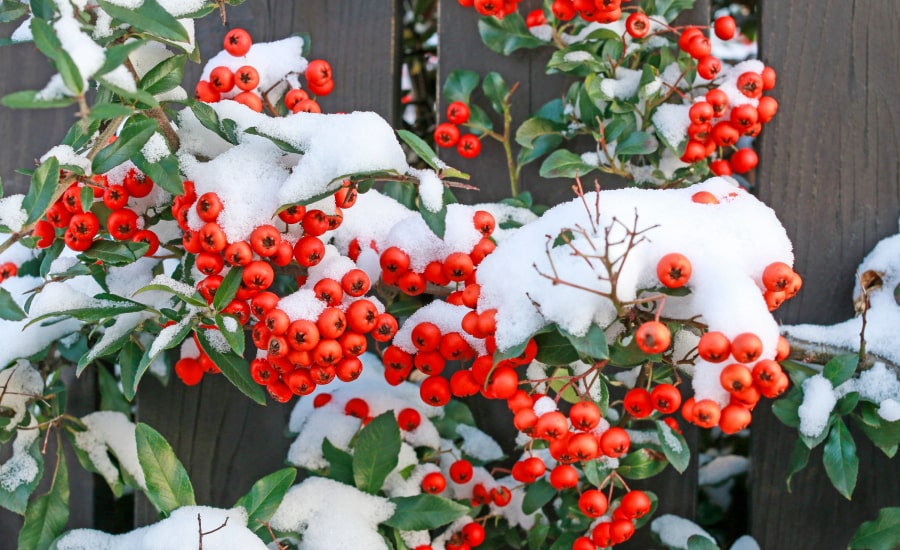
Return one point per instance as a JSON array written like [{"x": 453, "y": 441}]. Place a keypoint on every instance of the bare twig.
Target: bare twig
[{"x": 201, "y": 533}]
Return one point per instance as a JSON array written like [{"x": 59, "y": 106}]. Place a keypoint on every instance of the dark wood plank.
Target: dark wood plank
[
  {"x": 225, "y": 441},
  {"x": 461, "y": 48},
  {"x": 27, "y": 134},
  {"x": 828, "y": 166}
]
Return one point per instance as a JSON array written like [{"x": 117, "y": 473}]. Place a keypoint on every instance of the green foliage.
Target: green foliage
[
  {"x": 375, "y": 453},
  {"x": 168, "y": 485}
]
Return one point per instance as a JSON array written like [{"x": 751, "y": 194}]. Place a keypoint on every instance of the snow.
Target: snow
[
  {"x": 819, "y": 400},
  {"x": 177, "y": 532},
  {"x": 65, "y": 154},
  {"x": 879, "y": 385},
  {"x": 11, "y": 213},
  {"x": 623, "y": 86},
  {"x": 671, "y": 121},
  {"x": 729, "y": 246},
  {"x": 309, "y": 509},
  {"x": 674, "y": 531},
  {"x": 431, "y": 189},
  {"x": 111, "y": 431},
  {"x": 746, "y": 542},
  {"x": 446, "y": 316},
  {"x": 478, "y": 444},
  {"x": 19, "y": 384},
  {"x": 21, "y": 468},
  {"x": 882, "y": 317},
  {"x": 721, "y": 468}
]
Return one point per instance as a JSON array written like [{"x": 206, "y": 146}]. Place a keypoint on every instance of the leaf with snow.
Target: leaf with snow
[
  {"x": 15, "y": 497},
  {"x": 28, "y": 99},
  {"x": 376, "y": 452},
  {"x": 882, "y": 533},
  {"x": 423, "y": 512},
  {"x": 9, "y": 309},
  {"x": 149, "y": 17},
  {"x": 264, "y": 498},
  {"x": 168, "y": 485},
  {"x": 563, "y": 163},
  {"x": 422, "y": 149},
  {"x": 107, "y": 306},
  {"x": 44, "y": 181},
  {"x": 47, "y": 515},
  {"x": 48, "y": 42},
  {"x": 674, "y": 446},
  {"x": 840, "y": 460}
]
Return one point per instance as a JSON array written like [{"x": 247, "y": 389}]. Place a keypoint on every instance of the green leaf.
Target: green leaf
[
  {"x": 340, "y": 463},
  {"x": 168, "y": 485},
  {"x": 508, "y": 34},
  {"x": 563, "y": 163},
  {"x": 699, "y": 542},
  {"x": 799, "y": 460},
  {"x": 640, "y": 464},
  {"x": 885, "y": 435},
  {"x": 47, "y": 515},
  {"x": 143, "y": 99},
  {"x": 375, "y": 453},
  {"x": 459, "y": 85},
  {"x": 592, "y": 345},
  {"x": 555, "y": 349},
  {"x": 235, "y": 369},
  {"x": 108, "y": 305},
  {"x": 280, "y": 143},
  {"x": 17, "y": 499},
  {"x": 174, "y": 335},
  {"x": 840, "y": 460},
  {"x": 9, "y": 309},
  {"x": 670, "y": 9},
  {"x": 636, "y": 143},
  {"x": 496, "y": 90},
  {"x": 129, "y": 361},
  {"x": 422, "y": 149},
  {"x": 117, "y": 54},
  {"x": 235, "y": 336},
  {"x": 111, "y": 398},
  {"x": 264, "y": 498},
  {"x": 11, "y": 10},
  {"x": 436, "y": 221},
  {"x": 117, "y": 253},
  {"x": 27, "y": 99},
  {"x": 786, "y": 409},
  {"x": 674, "y": 446},
  {"x": 840, "y": 368},
  {"x": 134, "y": 136},
  {"x": 164, "y": 172},
  {"x": 44, "y": 181},
  {"x": 882, "y": 533},
  {"x": 164, "y": 76},
  {"x": 423, "y": 512},
  {"x": 535, "y": 128},
  {"x": 229, "y": 287},
  {"x": 208, "y": 117},
  {"x": 538, "y": 535},
  {"x": 846, "y": 404},
  {"x": 537, "y": 495},
  {"x": 149, "y": 17},
  {"x": 194, "y": 299}
]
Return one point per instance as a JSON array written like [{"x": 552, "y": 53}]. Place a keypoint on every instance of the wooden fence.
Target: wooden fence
[{"x": 828, "y": 166}]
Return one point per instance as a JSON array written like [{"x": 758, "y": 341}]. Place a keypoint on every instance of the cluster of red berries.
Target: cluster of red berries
[
  {"x": 593, "y": 11},
  {"x": 497, "y": 8},
  {"x": 455, "y": 268},
  {"x": 745, "y": 384},
  {"x": 300, "y": 353},
  {"x": 223, "y": 81},
  {"x": 632, "y": 506},
  {"x": 8, "y": 270},
  {"x": 80, "y": 225},
  {"x": 190, "y": 370},
  {"x": 447, "y": 134}
]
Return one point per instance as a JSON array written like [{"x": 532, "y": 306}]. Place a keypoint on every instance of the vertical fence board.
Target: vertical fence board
[
  {"x": 828, "y": 166},
  {"x": 461, "y": 48},
  {"x": 226, "y": 441}
]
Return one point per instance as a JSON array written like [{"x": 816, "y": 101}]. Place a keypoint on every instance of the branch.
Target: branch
[{"x": 812, "y": 352}]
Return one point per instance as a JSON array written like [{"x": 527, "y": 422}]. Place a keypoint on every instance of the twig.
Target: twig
[{"x": 201, "y": 533}]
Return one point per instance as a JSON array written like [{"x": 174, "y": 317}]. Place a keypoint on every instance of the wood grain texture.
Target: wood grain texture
[
  {"x": 27, "y": 134},
  {"x": 461, "y": 48},
  {"x": 829, "y": 168},
  {"x": 226, "y": 441}
]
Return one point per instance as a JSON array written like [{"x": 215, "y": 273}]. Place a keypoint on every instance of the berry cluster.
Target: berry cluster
[
  {"x": 447, "y": 134},
  {"x": 243, "y": 83},
  {"x": 300, "y": 352},
  {"x": 592, "y": 11},
  {"x": 497, "y": 8},
  {"x": 76, "y": 213}
]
